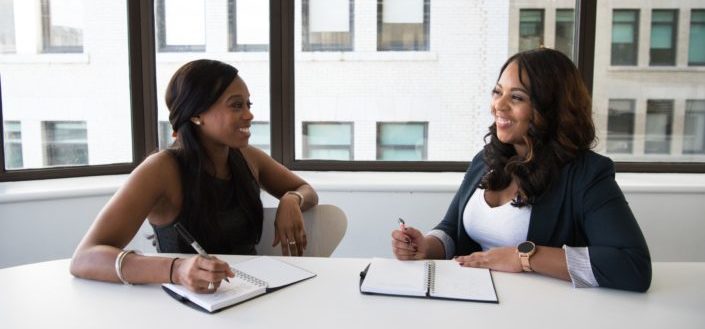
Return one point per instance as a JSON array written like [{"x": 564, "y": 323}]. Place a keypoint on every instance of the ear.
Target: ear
[{"x": 196, "y": 120}]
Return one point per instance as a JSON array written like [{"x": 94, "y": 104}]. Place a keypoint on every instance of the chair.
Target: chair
[{"x": 325, "y": 227}]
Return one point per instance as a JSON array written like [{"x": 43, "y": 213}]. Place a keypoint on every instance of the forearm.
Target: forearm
[
  {"x": 435, "y": 249},
  {"x": 98, "y": 263},
  {"x": 310, "y": 197},
  {"x": 550, "y": 261}
]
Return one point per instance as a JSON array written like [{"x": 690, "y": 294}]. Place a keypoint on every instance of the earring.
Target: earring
[{"x": 197, "y": 122}]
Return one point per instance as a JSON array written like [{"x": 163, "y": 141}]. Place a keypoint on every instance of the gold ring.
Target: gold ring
[{"x": 292, "y": 242}]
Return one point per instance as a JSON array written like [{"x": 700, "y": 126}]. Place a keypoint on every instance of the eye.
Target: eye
[
  {"x": 495, "y": 91},
  {"x": 249, "y": 104}
]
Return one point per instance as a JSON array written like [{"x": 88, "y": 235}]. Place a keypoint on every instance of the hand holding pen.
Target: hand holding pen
[
  {"x": 406, "y": 242},
  {"x": 203, "y": 269}
]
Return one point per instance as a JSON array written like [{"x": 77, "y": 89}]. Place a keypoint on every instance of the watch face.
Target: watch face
[{"x": 525, "y": 247}]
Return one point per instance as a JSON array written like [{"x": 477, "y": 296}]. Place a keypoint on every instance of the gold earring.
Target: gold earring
[{"x": 197, "y": 122}]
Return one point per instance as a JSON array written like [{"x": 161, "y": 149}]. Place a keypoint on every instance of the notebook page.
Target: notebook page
[
  {"x": 275, "y": 272},
  {"x": 395, "y": 277},
  {"x": 457, "y": 282},
  {"x": 237, "y": 290}
]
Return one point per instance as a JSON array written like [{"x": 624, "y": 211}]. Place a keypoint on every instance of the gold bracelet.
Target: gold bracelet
[
  {"x": 298, "y": 194},
  {"x": 118, "y": 264}
]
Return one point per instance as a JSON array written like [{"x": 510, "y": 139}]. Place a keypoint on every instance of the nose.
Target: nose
[
  {"x": 500, "y": 103},
  {"x": 248, "y": 115}
]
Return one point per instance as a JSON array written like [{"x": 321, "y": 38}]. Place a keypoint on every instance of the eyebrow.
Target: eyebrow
[
  {"x": 230, "y": 98},
  {"x": 515, "y": 89}
]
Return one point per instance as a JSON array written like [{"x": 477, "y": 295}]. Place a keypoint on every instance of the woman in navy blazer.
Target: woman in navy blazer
[{"x": 537, "y": 180}]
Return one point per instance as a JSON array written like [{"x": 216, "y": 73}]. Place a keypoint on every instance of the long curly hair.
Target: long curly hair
[
  {"x": 193, "y": 89},
  {"x": 561, "y": 126}
]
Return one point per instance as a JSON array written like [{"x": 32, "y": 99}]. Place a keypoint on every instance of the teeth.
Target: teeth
[
  {"x": 244, "y": 130},
  {"x": 503, "y": 121}
]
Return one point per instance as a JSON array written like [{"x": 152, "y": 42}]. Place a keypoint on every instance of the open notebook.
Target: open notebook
[
  {"x": 443, "y": 279},
  {"x": 253, "y": 277}
]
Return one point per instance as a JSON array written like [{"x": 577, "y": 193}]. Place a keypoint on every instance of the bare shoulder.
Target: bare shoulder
[
  {"x": 256, "y": 159},
  {"x": 161, "y": 167}
]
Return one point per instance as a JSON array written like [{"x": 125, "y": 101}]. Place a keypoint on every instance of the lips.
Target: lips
[{"x": 502, "y": 122}]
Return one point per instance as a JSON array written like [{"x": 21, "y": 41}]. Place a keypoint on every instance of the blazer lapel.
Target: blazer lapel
[{"x": 545, "y": 213}]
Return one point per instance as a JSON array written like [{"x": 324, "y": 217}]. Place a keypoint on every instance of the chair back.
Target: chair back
[{"x": 325, "y": 227}]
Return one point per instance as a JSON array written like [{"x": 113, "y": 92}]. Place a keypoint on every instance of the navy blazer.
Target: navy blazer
[{"x": 583, "y": 208}]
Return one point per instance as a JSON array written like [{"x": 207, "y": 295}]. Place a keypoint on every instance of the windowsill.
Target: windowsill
[
  {"x": 656, "y": 69},
  {"x": 393, "y": 182},
  {"x": 313, "y": 56},
  {"x": 48, "y": 58}
]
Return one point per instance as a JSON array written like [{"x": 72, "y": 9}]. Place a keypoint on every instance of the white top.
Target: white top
[
  {"x": 493, "y": 227},
  {"x": 45, "y": 295}
]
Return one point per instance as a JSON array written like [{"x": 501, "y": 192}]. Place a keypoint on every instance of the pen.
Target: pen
[
  {"x": 402, "y": 224},
  {"x": 190, "y": 240}
]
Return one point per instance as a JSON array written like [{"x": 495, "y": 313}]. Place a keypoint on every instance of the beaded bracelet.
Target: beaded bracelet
[{"x": 118, "y": 264}]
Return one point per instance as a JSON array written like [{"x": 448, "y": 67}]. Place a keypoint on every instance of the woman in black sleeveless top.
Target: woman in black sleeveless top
[{"x": 208, "y": 181}]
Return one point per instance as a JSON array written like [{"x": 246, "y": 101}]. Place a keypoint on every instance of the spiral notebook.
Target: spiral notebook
[
  {"x": 440, "y": 279},
  {"x": 253, "y": 277}
]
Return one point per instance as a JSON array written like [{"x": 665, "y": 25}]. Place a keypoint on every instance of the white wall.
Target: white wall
[{"x": 44, "y": 220}]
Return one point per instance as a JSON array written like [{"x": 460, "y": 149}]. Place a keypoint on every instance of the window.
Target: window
[
  {"x": 564, "y": 31},
  {"x": 13, "y": 145},
  {"x": 530, "y": 29},
  {"x": 328, "y": 140},
  {"x": 327, "y": 25},
  {"x": 664, "y": 29},
  {"x": 249, "y": 25},
  {"x": 164, "y": 134},
  {"x": 694, "y": 130},
  {"x": 62, "y": 26},
  {"x": 65, "y": 143},
  {"x": 625, "y": 36},
  {"x": 177, "y": 34},
  {"x": 620, "y": 126},
  {"x": 260, "y": 136},
  {"x": 696, "y": 50},
  {"x": 7, "y": 27},
  {"x": 402, "y": 141},
  {"x": 659, "y": 122},
  {"x": 403, "y": 25}
]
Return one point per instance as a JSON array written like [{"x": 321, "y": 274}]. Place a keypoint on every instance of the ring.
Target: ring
[
  {"x": 292, "y": 242},
  {"x": 210, "y": 286}
]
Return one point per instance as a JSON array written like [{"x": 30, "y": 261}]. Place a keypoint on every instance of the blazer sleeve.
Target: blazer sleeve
[{"x": 618, "y": 251}]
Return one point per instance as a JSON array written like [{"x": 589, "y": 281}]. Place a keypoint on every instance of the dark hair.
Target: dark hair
[
  {"x": 561, "y": 126},
  {"x": 193, "y": 89}
]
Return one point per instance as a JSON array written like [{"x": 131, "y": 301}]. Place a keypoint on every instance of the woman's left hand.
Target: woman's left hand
[
  {"x": 289, "y": 227},
  {"x": 503, "y": 259}
]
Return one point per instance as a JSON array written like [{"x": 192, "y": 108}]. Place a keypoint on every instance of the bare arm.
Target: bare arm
[{"x": 412, "y": 244}]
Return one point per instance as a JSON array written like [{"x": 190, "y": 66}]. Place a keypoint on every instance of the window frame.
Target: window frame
[
  {"x": 673, "y": 50},
  {"x": 690, "y": 31},
  {"x": 233, "y": 46},
  {"x": 541, "y": 25},
  {"x": 635, "y": 36},
  {"x": 426, "y": 28},
  {"x": 143, "y": 101},
  {"x": 307, "y": 46},
  {"x": 161, "y": 33},
  {"x": 306, "y": 147},
  {"x": 381, "y": 147},
  {"x": 47, "y": 46}
]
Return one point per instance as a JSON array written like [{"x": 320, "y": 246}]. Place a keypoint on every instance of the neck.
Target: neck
[
  {"x": 218, "y": 154},
  {"x": 522, "y": 150}
]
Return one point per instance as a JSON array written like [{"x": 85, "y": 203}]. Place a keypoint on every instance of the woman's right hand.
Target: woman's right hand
[
  {"x": 196, "y": 273},
  {"x": 409, "y": 244}
]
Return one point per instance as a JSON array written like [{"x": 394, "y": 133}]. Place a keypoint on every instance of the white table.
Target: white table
[{"x": 45, "y": 295}]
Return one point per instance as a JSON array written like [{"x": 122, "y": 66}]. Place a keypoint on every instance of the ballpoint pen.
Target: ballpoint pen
[
  {"x": 402, "y": 224},
  {"x": 190, "y": 240}
]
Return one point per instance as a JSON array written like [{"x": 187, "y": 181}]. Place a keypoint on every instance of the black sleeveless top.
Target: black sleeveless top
[{"x": 237, "y": 234}]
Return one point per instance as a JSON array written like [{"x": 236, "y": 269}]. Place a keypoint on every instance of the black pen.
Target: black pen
[{"x": 190, "y": 240}]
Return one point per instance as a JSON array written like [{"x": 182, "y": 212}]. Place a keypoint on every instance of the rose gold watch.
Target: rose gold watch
[{"x": 526, "y": 249}]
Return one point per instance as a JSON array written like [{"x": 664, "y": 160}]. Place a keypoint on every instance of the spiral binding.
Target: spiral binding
[
  {"x": 251, "y": 279},
  {"x": 430, "y": 276}
]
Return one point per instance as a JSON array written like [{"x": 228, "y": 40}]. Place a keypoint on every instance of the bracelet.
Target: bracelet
[
  {"x": 171, "y": 270},
  {"x": 298, "y": 194},
  {"x": 118, "y": 264}
]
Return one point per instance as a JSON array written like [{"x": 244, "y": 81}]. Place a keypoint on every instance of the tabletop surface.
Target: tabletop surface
[{"x": 46, "y": 295}]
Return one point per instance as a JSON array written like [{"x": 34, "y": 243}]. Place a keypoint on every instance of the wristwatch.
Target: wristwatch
[{"x": 526, "y": 249}]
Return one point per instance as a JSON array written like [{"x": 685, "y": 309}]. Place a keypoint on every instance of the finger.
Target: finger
[
  {"x": 284, "y": 244},
  {"x": 403, "y": 245},
  {"x": 293, "y": 245},
  {"x": 302, "y": 241},
  {"x": 401, "y": 237},
  {"x": 404, "y": 252}
]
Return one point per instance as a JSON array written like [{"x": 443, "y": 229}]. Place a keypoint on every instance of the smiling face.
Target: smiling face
[
  {"x": 512, "y": 109},
  {"x": 227, "y": 121}
]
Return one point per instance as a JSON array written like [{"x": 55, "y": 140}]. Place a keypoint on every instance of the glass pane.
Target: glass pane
[
  {"x": 661, "y": 127},
  {"x": 432, "y": 61},
  {"x": 7, "y": 27},
  {"x": 261, "y": 136},
  {"x": 328, "y": 141},
  {"x": 564, "y": 31},
  {"x": 402, "y": 133},
  {"x": 61, "y": 84},
  {"x": 394, "y": 154},
  {"x": 327, "y": 25},
  {"x": 530, "y": 29},
  {"x": 696, "y": 48},
  {"x": 694, "y": 132},
  {"x": 176, "y": 34},
  {"x": 13, "y": 144},
  {"x": 237, "y": 42}
]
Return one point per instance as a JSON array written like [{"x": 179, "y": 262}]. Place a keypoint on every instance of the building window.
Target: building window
[
  {"x": 65, "y": 143},
  {"x": 625, "y": 36},
  {"x": 694, "y": 130},
  {"x": 664, "y": 29},
  {"x": 261, "y": 136},
  {"x": 180, "y": 25},
  {"x": 328, "y": 140},
  {"x": 7, "y": 27},
  {"x": 13, "y": 145},
  {"x": 402, "y": 141},
  {"x": 403, "y": 25},
  {"x": 327, "y": 25},
  {"x": 620, "y": 126},
  {"x": 164, "y": 133},
  {"x": 249, "y": 25},
  {"x": 530, "y": 29},
  {"x": 62, "y": 26},
  {"x": 659, "y": 122},
  {"x": 564, "y": 31},
  {"x": 696, "y": 50}
]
